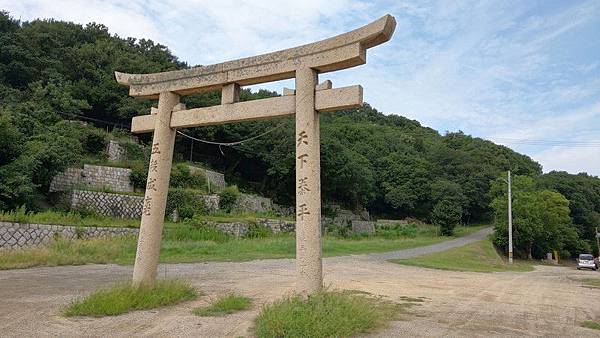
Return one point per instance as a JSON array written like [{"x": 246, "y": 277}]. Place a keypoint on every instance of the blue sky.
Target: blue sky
[{"x": 525, "y": 74}]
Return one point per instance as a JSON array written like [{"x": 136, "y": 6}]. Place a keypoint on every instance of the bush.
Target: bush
[
  {"x": 398, "y": 230},
  {"x": 95, "y": 141},
  {"x": 258, "y": 231},
  {"x": 188, "y": 203},
  {"x": 139, "y": 174},
  {"x": 189, "y": 232},
  {"x": 134, "y": 151},
  {"x": 183, "y": 177},
  {"x": 228, "y": 196},
  {"x": 342, "y": 230}
]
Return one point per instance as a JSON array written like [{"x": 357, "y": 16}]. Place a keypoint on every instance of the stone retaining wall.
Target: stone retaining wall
[
  {"x": 253, "y": 203},
  {"x": 22, "y": 235},
  {"x": 108, "y": 204},
  {"x": 211, "y": 202},
  {"x": 240, "y": 229},
  {"x": 93, "y": 176},
  {"x": 216, "y": 179},
  {"x": 115, "y": 151},
  {"x": 359, "y": 227}
]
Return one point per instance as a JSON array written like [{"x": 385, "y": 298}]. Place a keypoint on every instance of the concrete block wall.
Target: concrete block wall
[
  {"x": 23, "y": 235},
  {"x": 108, "y": 204},
  {"x": 93, "y": 176}
]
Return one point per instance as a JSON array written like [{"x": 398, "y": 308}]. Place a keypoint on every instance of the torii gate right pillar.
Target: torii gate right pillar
[{"x": 309, "y": 276}]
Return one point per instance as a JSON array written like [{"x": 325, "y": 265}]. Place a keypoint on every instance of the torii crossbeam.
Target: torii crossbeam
[{"x": 303, "y": 63}]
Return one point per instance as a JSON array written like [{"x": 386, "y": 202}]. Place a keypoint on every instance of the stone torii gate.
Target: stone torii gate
[{"x": 303, "y": 63}]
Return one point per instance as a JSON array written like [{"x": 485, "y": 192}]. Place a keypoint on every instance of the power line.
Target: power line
[
  {"x": 94, "y": 119},
  {"x": 229, "y": 144}
]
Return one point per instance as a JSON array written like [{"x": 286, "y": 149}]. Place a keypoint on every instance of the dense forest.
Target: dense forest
[{"x": 53, "y": 72}]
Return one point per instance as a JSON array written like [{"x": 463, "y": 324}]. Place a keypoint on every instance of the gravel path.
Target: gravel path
[{"x": 549, "y": 301}]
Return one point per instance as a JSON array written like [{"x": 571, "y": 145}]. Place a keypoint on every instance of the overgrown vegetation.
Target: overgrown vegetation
[
  {"x": 227, "y": 198},
  {"x": 187, "y": 202},
  {"x": 224, "y": 305},
  {"x": 478, "y": 257},
  {"x": 124, "y": 298},
  {"x": 83, "y": 218},
  {"x": 325, "y": 314},
  {"x": 188, "y": 244}
]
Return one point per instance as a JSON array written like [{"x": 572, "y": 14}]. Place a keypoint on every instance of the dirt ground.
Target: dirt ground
[{"x": 549, "y": 301}]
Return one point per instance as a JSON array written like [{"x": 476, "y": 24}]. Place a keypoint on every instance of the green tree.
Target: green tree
[
  {"x": 447, "y": 213},
  {"x": 541, "y": 221}
]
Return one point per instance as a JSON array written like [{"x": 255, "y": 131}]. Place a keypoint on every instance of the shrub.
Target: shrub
[
  {"x": 258, "y": 231},
  {"x": 188, "y": 203},
  {"x": 340, "y": 230},
  {"x": 139, "y": 174},
  {"x": 398, "y": 230},
  {"x": 227, "y": 197},
  {"x": 134, "y": 151},
  {"x": 95, "y": 141},
  {"x": 183, "y": 177},
  {"x": 125, "y": 298},
  {"x": 188, "y": 232}
]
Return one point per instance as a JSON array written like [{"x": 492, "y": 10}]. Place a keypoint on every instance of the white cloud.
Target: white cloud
[{"x": 570, "y": 159}]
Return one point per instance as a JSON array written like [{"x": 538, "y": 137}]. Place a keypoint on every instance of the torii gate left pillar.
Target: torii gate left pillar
[{"x": 303, "y": 63}]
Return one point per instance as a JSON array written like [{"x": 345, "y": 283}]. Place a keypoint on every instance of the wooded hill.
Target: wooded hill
[{"x": 52, "y": 72}]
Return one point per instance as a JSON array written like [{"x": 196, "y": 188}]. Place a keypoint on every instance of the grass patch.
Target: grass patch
[
  {"x": 591, "y": 282},
  {"x": 478, "y": 257},
  {"x": 326, "y": 314},
  {"x": 591, "y": 324},
  {"x": 124, "y": 298},
  {"x": 224, "y": 305},
  {"x": 69, "y": 252},
  {"x": 195, "y": 244}
]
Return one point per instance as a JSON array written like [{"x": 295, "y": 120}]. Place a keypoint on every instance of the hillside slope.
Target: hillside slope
[{"x": 52, "y": 72}]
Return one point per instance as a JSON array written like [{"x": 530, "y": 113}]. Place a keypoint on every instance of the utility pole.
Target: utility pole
[
  {"x": 510, "y": 243},
  {"x": 598, "y": 241}
]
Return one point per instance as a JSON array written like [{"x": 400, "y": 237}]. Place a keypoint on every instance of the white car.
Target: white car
[{"x": 586, "y": 261}]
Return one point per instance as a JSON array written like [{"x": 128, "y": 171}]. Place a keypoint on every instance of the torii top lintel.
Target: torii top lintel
[{"x": 343, "y": 51}]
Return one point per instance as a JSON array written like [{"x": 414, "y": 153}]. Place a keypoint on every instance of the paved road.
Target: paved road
[
  {"x": 439, "y": 247},
  {"x": 547, "y": 302}
]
